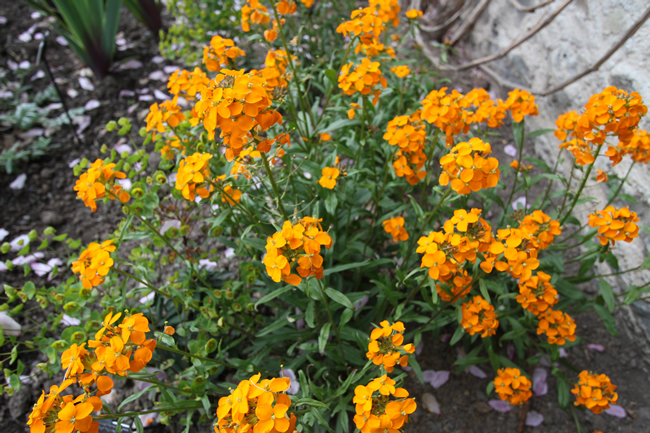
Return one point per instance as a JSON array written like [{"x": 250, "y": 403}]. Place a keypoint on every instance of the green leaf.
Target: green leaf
[
  {"x": 310, "y": 402},
  {"x": 518, "y": 132},
  {"x": 341, "y": 268},
  {"x": 131, "y": 398},
  {"x": 205, "y": 400},
  {"x": 309, "y": 314},
  {"x": 562, "y": 393},
  {"x": 331, "y": 75},
  {"x": 138, "y": 424},
  {"x": 608, "y": 294},
  {"x": 330, "y": 203},
  {"x": 417, "y": 208},
  {"x": 274, "y": 294},
  {"x": 339, "y": 297},
  {"x": 646, "y": 263},
  {"x": 607, "y": 318},
  {"x": 539, "y": 132},
  {"x": 280, "y": 323},
  {"x": 322, "y": 338},
  {"x": 458, "y": 334},
  {"x": 484, "y": 290}
]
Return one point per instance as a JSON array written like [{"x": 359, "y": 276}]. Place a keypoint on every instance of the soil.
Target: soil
[{"x": 48, "y": 199}]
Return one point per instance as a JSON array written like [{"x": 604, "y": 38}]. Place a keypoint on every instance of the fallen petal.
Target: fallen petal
[
  {"x": 83, "y": 122},
  {"x": 9, "y": 325},
  {"x": 3, "y": 21},
  {"x": 37, "y": 75},
  {"x": 72, "y": 93},
  {"x": 157, "y": 59},
  {"x": 147, "y": 298},
  {"x": 126, "y": 93},
  {"x": 125, "y": 183},
  {"x": 70, "y": 321},
  {"x": 169, "y": 224},
  {"x": 170, "y": 69},
  {"x": 616, "y": 410},
  {"x": 16, "y": 245},
  {"x": 540, "y": 386},
  {"x": 596, "y": 347},
  {"x": 157, "y": 75},
  {"x": 430, "y": 403},
  {"x": 62, "y": 41},
  {"x": 230, "y": 252},
  {"x": 19, "y": 182},
  {"x": 206, "y": 263},
  {"x": 510, "y": 150},
  {"x": 74, "y": 162},
  {"x": 40, "y": 268},
  {"x": 86, "y": 84},
  {"x": 294, "y": 387},
  {"x": 439, "y": 378},
  {"x": 160, "y": 95},
  {"x": 131, "y": 64},
  {"x": 3, "y": 234},
  {"x": 475, "y": 371},
  {"x": 500, "y": 405},
  {"x": 145, "y": 98},
  {"x": 534, "y": 419},
  {"x": 427, "y": 375},
  {"x": 92, "y": 104}
]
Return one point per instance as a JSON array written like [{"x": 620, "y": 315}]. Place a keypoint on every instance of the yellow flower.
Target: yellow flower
[
  {"x": 401, "y": 71},
  {"x": 328, "y": 179},
  {"x": 413, "y": 14}
]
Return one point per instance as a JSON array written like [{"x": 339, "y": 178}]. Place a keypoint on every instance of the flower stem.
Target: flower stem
[
  {"x": 274, "y": 185},
  {"x": 329, "y": 313},
  {"x": 582, "y": 186},
  {"x": 621, "y": 184}
]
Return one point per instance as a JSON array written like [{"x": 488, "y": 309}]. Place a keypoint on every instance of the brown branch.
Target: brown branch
[
  {"x": 604, "y": 58},
  {"x": 469, "y": 22},
  {"x": 539, "y": 26},
  {"x": 501, "y": 81},
  {"x": 522, "y": 8},
  {"x": 446, "y": 24}
]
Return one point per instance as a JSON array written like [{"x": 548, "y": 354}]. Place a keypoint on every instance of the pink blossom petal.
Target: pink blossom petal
[
  {"x": 510, "y": 150},
  {"x": 160, "y": 95},
  {"x": 3, "y": 234},
  {"x": 616, "y": 410},
  {"x": 500, "y": 405},
  {"x": 169, "y": 224},
  {"x": 427, "y": 375},
  {"x": 534, "y": 419},
  {"x": 131, "y": 64},
  {"x": 539, "y": 382},
  {"x": 86, "y": 84},
  {"x": 40, "y": 268},
  {"x": 92, "y": 104},
  {"x": 439, "y": 378},
  {"x": 126, "y": 93},
  {"x": 563, "y": 353},
  {"x": 19, "y": 182},
  {"x": 596, "y": 347},
  {"x": 419, "y": 347},
  {"x": 431, "y": 403},
  {"x": 362, "y": 302},
  {"x": 475, "y": 371},
  {"x": 294, "y": 386},
  {"x": 207, "y": 264}
]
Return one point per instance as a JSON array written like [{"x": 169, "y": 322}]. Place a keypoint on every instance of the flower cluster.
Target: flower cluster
[
  {"x": 479, "y": 317},
  {"x": 615, "y": 224},
  {"x": 253, "y": 12},
  {"x": 558, "y": 326},
  {"x": 193, "y": 176},
  {"x": 455, "y": 288},
  {"x": 376, "y": 411},
  {"x": 220, "y": 51},
  {"x": 395, "y": 227},
  {"x": 611, "y": 113},
  {"x": 409, "y": 134},
  {"x": 364, "y": 23},
  {"x": 513, "y": 386},
  {"x": 92, "y": 185},
  {"x": 520, "y": 103},
  {"x": 387, "y": 10},
  {"x": 186, "y": 84},
  {"x": 296, "y": 243},
  {"x": 113, "y": 347},
  {"x": 94, "y": 263},
  {"x": 386, "y": 345},
  {"x": 167, "y": 112},
  {"x": 275, "y": 71},
  {"x": 595, "y": 392},
  {"x": 467, "y": 167},
  {"x": 255, "y": 405},
  {"x": 401, "y": 71},
  {"x": 237, "y": 103},
  {"x": 536, "y": 294},
  {"x": 362, "y": 78}
]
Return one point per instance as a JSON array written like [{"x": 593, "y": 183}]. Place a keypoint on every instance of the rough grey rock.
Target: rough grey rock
[
  {"x": 52, "y": 218},
  {"x": 21, "y": 402}
]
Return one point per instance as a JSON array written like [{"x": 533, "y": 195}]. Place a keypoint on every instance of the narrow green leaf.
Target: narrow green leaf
[
  {"x": 608, "y": 294},
  {"x": 339, "y": 297},
  {"x": 274, "y": 294},
  {"x": 460, "y": 331},
  {"x": 539, "y": 132},
  {"x": 607, "y": 318},
  {"x": 341, "y": 268},
  {"x": 484, "y": 290},
  {"x": 322, "y": 338}
]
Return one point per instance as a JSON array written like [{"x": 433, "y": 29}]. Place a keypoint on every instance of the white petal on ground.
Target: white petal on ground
[
  {"x": 500, "y": 405},
  {"x": 32, "y": 133},
  {"x": 3, "y": 21},
  {"x": 16, "y": 245},
  {"x": 520, "y": 203},
  {"x": 35, "y": 15},
  {"x": 72, "y": 93},
  {"x": 70, "y": 321},
  {"x": 169, "y": 224},
  {"x": 12, "y": 65},
  {"x": 39, "y": 74},
  {"x": 131, "y": 64},
  {"x": 83, "y": 122},
  {"x": 62, "y": 41},
  {"x": 74, "y": 162},
  {"x": 439, "y": 378},
  {"x": 157, "y": 59},
  {"x": 230, "y": 252},
  {"x": 419, "y": 347},
  {"x": 145, "y": 98},
  {"x": 27, "y": 260},
  {"x": 19, "y": 182},
  {"x": 123, "y": 147},
  {"x": 295, "y": 385},
  {"x": 510, "y": 150},
  {"x": 616, "y": 410},
  {"x": 170, "y": 69},
  {"x": 361, "y": 303},
  {"x": 86, "y": 84},
  {"x": 126, "y": 93},
  {"x": 3, "y": 234},
  {"x": 158, "y": 75},
  {"x": 149, "y": 419},
  {"x": 40, "y": 268},
  {"x": 3, "y": 267},
  {"x": 430, "y": 403},
  {"x": 596, "y": 347},
  {"x": 475, "y": 371},
  {"x": 24, "y": 64},
  {"x": 9, "y": 325},
  {"x": 54, "y": 106},
  {"x": 160, "y": 95},
  {"x": 540, "y": 386},
  {"x": 206, "y": 263},
  {"x": 25, "y": 37},
  {"x": 92, "y": 104},
  {"x": 534, "y": 419},
  {"x": 125, "y": 183},
  {"x": 563, "y": 353}
]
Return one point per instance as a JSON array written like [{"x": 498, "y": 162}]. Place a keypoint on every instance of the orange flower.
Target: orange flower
[
  {"x": 595, "y": 392},
  {"x": 328, "y": 179},
  {"x": 401, "y": 71},
  {"x": 361, "y": 78},
  {"x": 94, "y": 263},
  {"x": 409, "y": 133},
  {"x": 386, "y": 345},
  {"x": 467, "y": 169},
  {"x": 413, "y": 14},
  {"x": 220, "y": 52},
  {"x": 557, "y": 325},
  {"x": 479, "y": 317},
  {"x": 395, "y": 227},
  {"x": 253, "y": 12},
  {"x": 168, "y": 112},
  {"x": 615, "y": 225},
  {"x": 231, "y": 196},
  {"x": 537, "y": 294},
  {"x": 376, "y": 411},
  {"x": 93, "y": 184},
  {"x": 169, "y": 330},
  {"x": 325, "y": 136},
  {"x": 187, "y": 84},
  {"x": 193, "y": 176},
  {"x": 520, "y": 103},
  {"x": 511, "y": 385},
  {"x": 601, "y": 177}
]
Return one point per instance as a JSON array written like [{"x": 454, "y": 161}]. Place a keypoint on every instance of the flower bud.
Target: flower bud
[
  {"x": 160, "y": 177},
  {"x": 32, "y": 235},
  {"x": 137, "y": 192},
  {"x": 126, "y": 165},
  {"x": 5, "y": 247},
  {"x": 142, "y": 132},
  {"x": 104, "y": 148},
  {"x": 49, "y": 231},
  {"x": 250, "y": 307},
  {"x": 60, "y": 345},
  {"x": 218, "y": 294},
  {"x": 123, "y": 121},
  {"x": 111, "y": 126},
  {"x": 84, "y": 163},
  {"x": 149, "y": 180},
  {"x": 211, "y": 345},
  {"x": 71, "y": 307},
  {"x": 42, "y": 301},
  {"x": 229, "y": 296}
]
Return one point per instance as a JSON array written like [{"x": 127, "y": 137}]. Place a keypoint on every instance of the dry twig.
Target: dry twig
[
  {"x": 469, "y": 22},
  {"x": 446, "y": 24},
  {"x": 522, "y": 8}
]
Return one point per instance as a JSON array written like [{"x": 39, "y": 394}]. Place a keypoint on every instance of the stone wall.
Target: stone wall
[{"x": 574, "y": 41}]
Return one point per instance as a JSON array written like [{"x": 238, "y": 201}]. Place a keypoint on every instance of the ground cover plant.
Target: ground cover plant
[{"x": 364, "y": 209}]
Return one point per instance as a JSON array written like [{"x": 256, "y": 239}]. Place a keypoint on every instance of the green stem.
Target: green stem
[
  {"x": 582, "y": 186},
  {"x": 202, "y": 358},
  {"x": 550, "y": 184},
  {"x": 331, "y": 318},
  {"x": 621, "y": 185},
  {"x": 274, "y": 185},
  {"x": 144, "y": 283}
]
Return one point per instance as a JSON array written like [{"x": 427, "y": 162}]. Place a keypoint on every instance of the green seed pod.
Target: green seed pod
[
  {"x": 59, "y": 298},
  {"x": 78, "y": 337},
  {"x": 137, "y": 192},
  {"x": 218, "y": 294},
  {"x": 250, "y": 307},
  {"x": 217, "y": 231},
  {"x": 211, "y": 345},
  {"x": 104, "y": 148},
  {"x": 160, "y": 178},
  {"x": 200, "y": 147},
  {"x": 5, "y": 247},
  {"x": 126, "y": 210},
  {"x": 42, "y": 366},
  {"x": 237, "y": 307},
  {"x": 10, "y": 265},
  {"x": 22, "y": 295},
  {"x": 42, "y": 301},
  {"x": 229, "y": 296},
  {"x": 111, "y": 126},
  {"x": 185, "y": 230},
  {"x": 60, "y": 345},
  {"x": 71, "y": 307},
  {"x": 149, "y": 180},
  {"x": 49, "y": 231},
  {"x": 84, "y": 163},
  {"x": 84, "y": 293},
  {"x": 32, "y": 235}
]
